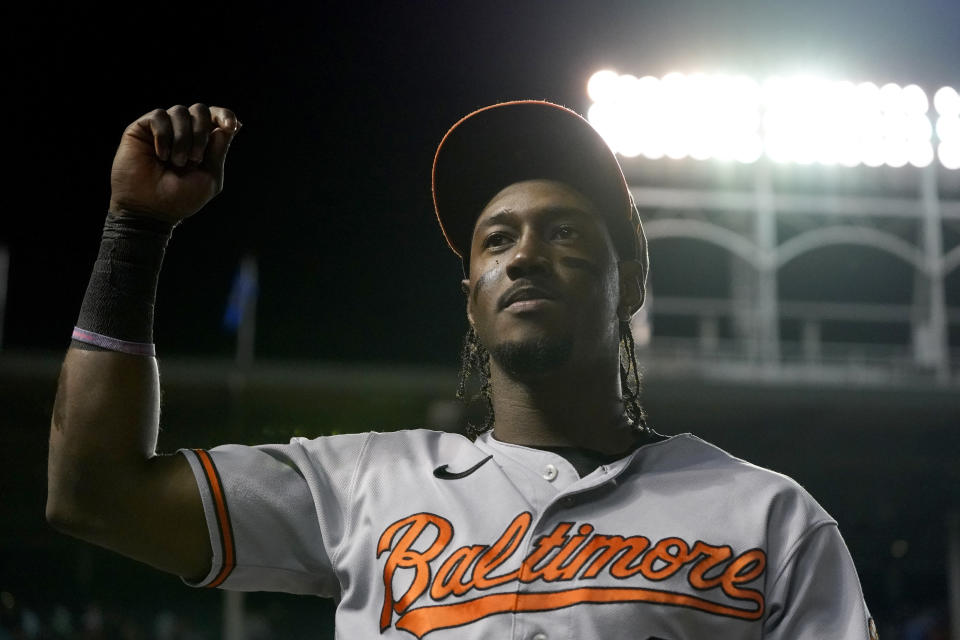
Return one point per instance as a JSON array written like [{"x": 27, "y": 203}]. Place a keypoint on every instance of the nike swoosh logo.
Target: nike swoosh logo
[{"x": 442, "y": 472}]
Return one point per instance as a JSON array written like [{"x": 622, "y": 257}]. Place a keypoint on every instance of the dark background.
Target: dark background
[
  {"x": 328, "y": 184},
  {"x": 343, "y": 105}
]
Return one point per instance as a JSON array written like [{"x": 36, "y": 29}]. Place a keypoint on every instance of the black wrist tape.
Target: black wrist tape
[{"x": 117, "y": 310}]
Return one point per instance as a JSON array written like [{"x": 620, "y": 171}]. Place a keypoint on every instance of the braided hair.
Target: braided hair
[{"x": 475, "y": 363}]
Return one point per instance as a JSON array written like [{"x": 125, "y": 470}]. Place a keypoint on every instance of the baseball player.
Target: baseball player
[{"x": 563, "y": 515}]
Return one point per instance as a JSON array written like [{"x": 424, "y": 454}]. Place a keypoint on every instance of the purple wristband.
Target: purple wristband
[{"x": 114, "y": 344}]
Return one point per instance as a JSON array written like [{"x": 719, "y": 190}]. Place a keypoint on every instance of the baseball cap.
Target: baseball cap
[{"x": 508, "y": 142}]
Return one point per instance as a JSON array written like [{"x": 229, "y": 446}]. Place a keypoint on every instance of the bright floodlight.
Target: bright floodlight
[
  {"x": 872, "y": 154},
  {"x": 891, "y": 98},
  {"x": 750, "y": 151},
  {"x": 915, "y": 100},
  {"x": 801, "y": 119},
  {"x": 921, "y": 154},
  {"x": 602, "y": 85},
  {"x": 949, "y": 154},
  {"x": 896, "y": 154},
  {"x": 947, "y": 101},
  {"x": 948, "y": 128},
  {"x": 678, "y": 116}
]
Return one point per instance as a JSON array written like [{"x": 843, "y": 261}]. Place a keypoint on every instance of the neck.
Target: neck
[{"x": 564, "y": 408}]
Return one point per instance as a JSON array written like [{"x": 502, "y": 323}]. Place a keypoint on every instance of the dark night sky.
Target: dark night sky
[{"x": 328, "y": 183}]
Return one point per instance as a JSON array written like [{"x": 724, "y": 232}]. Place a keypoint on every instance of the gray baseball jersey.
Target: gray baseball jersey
[{"x": 426, "y": 534}]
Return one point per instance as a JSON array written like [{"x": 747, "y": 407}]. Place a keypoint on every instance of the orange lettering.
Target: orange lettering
[
  {"x": 746, "y": 567},
  {"x": 423, "y": 620},
  {"x": 499, "y": 552},
  {"x": 662, "y": 552},
  {"x": 555, "y": 557},
  {"x": 546, "y": 544},
  {"x": 555, "y": 570},
  {"x": 449, "y": 577},
  {"x": 403, "y": 557},
  {"x": 712, "y": 556},
  {"x": 613, "y": 546}
]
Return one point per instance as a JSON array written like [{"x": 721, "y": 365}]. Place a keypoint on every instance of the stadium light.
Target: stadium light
[
  {"x": 602, "y": 86},
  {"x": 802, "y": 120},
  {"x": 949, "y": 154},
  {"x": 947, "y": 101}
]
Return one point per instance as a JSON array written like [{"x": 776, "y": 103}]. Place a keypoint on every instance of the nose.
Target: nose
[{"x": 529, "y": 257}]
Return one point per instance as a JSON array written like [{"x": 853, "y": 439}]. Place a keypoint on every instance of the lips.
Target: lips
[{"x": 521, "y": 292}]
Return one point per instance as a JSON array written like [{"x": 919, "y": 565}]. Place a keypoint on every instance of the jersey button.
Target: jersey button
[
  {"x": 539, "y": 636},
  {"x": 549, "y": 474}
]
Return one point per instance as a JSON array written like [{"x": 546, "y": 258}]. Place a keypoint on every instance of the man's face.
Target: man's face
[{"x": 544, "y": 285}]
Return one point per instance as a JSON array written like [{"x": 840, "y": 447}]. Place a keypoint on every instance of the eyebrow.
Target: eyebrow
[
  {"x": 504, "y": 216},
  {"x": 501, "y": 216}
]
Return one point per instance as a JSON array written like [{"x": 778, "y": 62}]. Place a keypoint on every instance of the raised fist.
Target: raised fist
[{"x": 170, "y": 163}]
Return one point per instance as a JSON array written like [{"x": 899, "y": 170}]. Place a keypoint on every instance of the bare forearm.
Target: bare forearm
[{"x": 107, "y": 485}]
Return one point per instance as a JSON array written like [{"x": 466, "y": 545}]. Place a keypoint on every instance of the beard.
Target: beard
[{"x": 533, "y": 358}]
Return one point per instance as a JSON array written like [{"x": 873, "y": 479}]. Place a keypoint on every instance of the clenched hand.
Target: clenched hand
[{"x": 170, "y": 162}]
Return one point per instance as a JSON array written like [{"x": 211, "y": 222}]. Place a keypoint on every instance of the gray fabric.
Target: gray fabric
[{"x": 677, "y": 539}]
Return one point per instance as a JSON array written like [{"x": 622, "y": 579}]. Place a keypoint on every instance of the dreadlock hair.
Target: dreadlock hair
[
  {"x": 631, "y": 391},
  {"x": 475, "y": 362}
]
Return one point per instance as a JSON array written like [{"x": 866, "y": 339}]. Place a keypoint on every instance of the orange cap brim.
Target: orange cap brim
[{"x": 505, "y": 143}]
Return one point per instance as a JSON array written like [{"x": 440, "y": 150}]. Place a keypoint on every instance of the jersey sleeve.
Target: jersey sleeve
[
  {"x": 276, "y": 514},
  {"x": 816, "y": 593}
]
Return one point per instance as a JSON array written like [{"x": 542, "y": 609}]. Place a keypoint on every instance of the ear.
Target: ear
[
  {"x": 632, "y": 288},
  {"x": 465, "y": 288}
]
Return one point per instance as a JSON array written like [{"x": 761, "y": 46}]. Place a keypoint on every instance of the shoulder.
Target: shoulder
[
  {"x": 686, "y": 453},
  {"x": 339, "y": 453},
  {"x": 704, "y": 466},
  {"x": 403, "y": 444}
]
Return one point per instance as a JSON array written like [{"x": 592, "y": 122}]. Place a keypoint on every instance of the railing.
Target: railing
[{"x": 745, "y": 331}]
